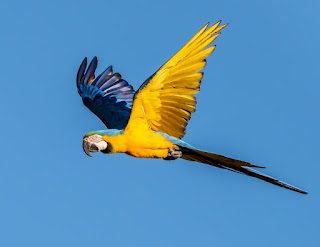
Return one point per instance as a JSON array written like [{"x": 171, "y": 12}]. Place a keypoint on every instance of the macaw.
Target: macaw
[{"x": 151, "y": 122}]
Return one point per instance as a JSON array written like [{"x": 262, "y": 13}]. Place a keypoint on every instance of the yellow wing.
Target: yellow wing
[{"x": 167, "y": 99}]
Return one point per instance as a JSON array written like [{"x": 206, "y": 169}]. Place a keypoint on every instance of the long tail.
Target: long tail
[{"x": 233, "y": 165}]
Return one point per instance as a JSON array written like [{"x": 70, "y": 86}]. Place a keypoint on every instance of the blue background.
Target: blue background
[{"x": 259, "y": 102}]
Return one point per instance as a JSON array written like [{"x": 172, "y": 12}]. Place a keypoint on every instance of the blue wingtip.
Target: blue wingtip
[
  {"x": 105, "y": 75},
  {"x": 91, "y": 69},
  {"x": 81, "y": 71}
]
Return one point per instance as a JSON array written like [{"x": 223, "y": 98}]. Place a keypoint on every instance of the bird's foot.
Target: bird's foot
[
  {"x": 93, "y": 143},
  {"x": 174, "y": 153}
]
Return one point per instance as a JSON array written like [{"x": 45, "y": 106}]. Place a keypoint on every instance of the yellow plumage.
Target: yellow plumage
[{"x": 166, "y": 101}]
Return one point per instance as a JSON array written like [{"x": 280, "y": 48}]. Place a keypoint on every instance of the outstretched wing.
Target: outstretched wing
[
  {"x": 108, "y": 96},
  {"x": 167, "y": 99}
]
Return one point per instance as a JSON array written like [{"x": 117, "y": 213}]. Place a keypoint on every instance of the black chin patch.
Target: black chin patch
[{"x": 108, "y": 149}]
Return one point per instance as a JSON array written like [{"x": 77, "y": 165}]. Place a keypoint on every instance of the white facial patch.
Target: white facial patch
[{"x": 101, "y": 145}]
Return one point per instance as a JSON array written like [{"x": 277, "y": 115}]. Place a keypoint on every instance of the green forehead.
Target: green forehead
[{"x": 89, "y": 134}]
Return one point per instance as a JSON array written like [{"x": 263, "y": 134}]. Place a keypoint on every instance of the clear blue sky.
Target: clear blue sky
[{"x": 259, "y": 102}]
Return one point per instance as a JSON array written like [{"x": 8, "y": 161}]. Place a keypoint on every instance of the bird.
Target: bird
[{"x": 151, "y": 121}]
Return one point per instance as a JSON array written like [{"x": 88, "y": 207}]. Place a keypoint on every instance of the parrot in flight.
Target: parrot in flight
[{"x": 151, "y": 122}]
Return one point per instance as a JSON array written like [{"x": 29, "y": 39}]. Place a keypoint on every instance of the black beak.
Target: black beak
[{"x": 86, "y": 147}]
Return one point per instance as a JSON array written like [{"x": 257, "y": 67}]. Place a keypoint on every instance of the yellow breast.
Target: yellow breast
[{"x": 140, "y": 141}]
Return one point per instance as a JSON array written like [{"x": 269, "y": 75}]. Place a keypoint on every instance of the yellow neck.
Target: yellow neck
[
  {"x": 118, "y": 143},
  {"x": 139, "y": 122}
]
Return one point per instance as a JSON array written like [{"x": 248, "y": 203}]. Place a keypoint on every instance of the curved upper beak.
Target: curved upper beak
[{"x": 86, "y": 146}]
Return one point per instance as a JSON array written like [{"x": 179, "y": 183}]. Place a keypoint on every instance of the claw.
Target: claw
[{"x": 174, "y": 153}]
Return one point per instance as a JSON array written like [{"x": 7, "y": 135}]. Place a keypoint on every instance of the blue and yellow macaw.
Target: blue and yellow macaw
[{"x": 150, "y": 122}]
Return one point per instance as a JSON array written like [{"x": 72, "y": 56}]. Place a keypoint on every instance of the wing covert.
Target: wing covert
[{"x": 108, "y": 96}]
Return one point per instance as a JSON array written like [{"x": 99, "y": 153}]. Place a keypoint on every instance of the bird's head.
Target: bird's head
[{"x": 93, "y": 142}]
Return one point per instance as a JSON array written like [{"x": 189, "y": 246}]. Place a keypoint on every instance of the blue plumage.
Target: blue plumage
[
  {"x": 175, "y": 140},
  {"x": 109, "y": 132},
  {"x": 108, "y": 96}
]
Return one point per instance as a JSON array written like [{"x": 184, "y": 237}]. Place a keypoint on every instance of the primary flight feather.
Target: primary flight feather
[{"x": 150, "y": 122}]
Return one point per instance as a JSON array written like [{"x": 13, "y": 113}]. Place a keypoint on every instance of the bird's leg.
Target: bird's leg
[
  {"x": 174, "y": 153},
  {"x": 94, "y": 143}
]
